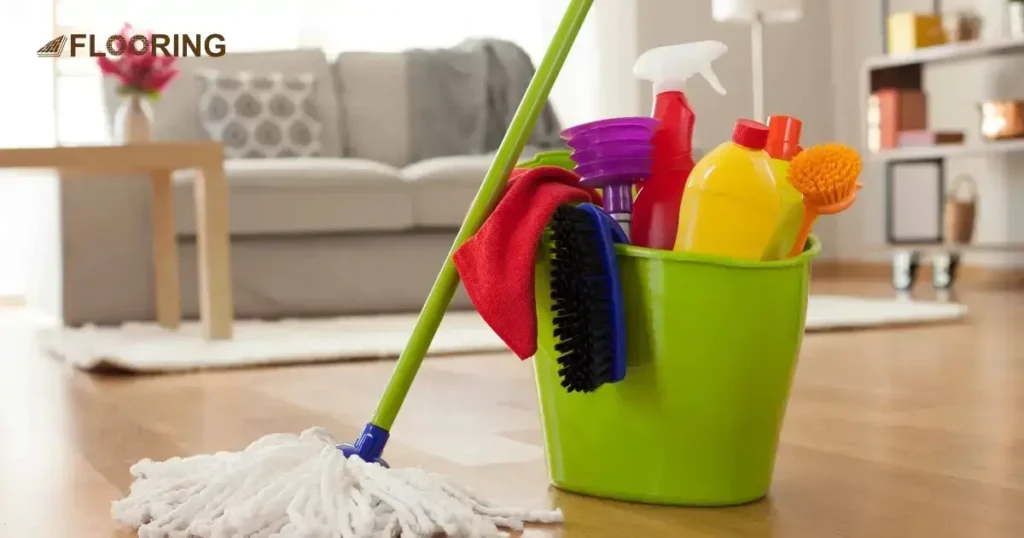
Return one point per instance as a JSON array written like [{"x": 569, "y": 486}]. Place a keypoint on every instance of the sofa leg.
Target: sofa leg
[
  {"x": 165, "y": 253},
  {"x": 216, "y": 307}
]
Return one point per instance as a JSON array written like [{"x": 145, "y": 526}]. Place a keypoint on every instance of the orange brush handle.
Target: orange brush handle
[
  {"x": 805, "y": 230},
  {"x": 811, "y": 214}
]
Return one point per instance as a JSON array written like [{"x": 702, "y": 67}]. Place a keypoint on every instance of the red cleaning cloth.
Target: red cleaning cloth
[{"x": 497, "y": 263}]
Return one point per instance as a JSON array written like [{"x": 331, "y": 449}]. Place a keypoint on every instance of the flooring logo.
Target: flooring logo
[
  {"x": 92, "y": 45},
  {"x": 53, "y": 48}
]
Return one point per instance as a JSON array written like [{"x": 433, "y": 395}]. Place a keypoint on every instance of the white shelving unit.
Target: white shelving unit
[
  {"x": 948, "y": 53},
  {"x": 905, "y": 71},
  {"x": 947, "y": 151},
  {"x": 956, "y": 248}
]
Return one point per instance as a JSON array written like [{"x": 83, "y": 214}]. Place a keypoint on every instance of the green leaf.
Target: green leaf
[{"x": 127, "y": 91}]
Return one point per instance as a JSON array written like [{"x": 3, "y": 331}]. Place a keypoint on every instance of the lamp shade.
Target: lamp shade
[{"x": 746, "y": 11}]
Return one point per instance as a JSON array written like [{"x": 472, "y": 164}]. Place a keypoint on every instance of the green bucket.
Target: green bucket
[{"x": 712, "y": 347}]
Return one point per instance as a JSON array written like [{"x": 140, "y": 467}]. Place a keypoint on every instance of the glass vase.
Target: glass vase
[{"x": 133, "y": 120}]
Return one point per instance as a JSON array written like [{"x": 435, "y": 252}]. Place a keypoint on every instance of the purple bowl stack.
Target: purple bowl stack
[{"x": 612, "y": 155}]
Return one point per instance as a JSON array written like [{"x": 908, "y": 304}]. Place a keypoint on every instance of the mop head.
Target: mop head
[{"x": 286, "y": 486}]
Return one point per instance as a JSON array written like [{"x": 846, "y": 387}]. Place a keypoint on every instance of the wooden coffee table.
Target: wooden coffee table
[{"x": 159, "y": 160}]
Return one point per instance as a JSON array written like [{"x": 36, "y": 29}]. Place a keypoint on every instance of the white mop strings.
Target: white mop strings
[{"x": 301, "y": 486}]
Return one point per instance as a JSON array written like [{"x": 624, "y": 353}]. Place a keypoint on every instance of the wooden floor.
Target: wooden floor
[{"x": 891, "y": 433}]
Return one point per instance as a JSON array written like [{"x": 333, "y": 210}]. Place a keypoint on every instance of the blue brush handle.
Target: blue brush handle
[{"x": 612, "y": 233}]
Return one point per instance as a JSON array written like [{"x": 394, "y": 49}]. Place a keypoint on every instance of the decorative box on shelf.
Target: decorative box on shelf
[
  {"x": 963, "y": 26},
  {"x": 1002, "y": 120},
  {"x": 910, "y": 31},
  {"x": 892, "y": 111},
  {"x": 925, "y": 138}
]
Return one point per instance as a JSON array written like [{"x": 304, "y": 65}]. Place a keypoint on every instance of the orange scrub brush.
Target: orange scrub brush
[{"x": 827, "y": 177}]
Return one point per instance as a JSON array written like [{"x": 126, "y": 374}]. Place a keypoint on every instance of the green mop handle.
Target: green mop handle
[{"x": 487, "y": 197}]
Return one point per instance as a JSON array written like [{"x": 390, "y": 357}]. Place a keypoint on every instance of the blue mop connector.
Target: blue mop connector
[{"x": 370, "y": 445}]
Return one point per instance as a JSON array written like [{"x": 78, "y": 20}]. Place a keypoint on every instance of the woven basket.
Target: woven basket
[{"x": 961, "y": 210}]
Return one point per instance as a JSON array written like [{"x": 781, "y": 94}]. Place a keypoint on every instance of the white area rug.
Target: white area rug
[{"x": 146, "y": 348}]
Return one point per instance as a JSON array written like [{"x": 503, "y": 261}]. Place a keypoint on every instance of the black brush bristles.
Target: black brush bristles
[{"x": 581, "y": 302}]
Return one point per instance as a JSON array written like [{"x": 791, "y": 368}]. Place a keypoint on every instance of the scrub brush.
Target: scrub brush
[
  {"x": 827, "y": 177},
  {"x": 589, "y": 321}
]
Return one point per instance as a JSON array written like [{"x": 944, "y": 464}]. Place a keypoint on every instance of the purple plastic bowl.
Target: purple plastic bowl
[
  {"x": 623, "y": 135},
  {"x": 643, "y": 122},
  {"x": 602, "y": 172},
  {"x": 623, "y": 150}
]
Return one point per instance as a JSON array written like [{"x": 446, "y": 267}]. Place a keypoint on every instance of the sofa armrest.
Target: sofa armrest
[{"x": 106, "y": 229}]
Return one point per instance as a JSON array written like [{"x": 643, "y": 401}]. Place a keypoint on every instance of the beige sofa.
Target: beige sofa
[{"x": 359, "y": 230}]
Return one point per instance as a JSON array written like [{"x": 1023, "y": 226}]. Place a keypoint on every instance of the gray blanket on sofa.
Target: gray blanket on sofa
[{"x": 462, "y": 99}]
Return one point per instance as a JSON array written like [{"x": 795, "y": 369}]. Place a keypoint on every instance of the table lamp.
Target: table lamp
[{"x": 757, "y": 13}]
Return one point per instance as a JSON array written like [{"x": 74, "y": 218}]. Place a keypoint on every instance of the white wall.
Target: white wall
[
  {"x": 596, "y": 80},
  {"x": 953, "y": 92},
  {"x": 28, "y": 202},
  {"x": 617, "y": 38}
]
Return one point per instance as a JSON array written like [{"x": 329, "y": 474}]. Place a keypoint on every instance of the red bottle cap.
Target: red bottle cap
[
  {"x": 783, "y": 137},
  {"x": 750, "y": 134}
]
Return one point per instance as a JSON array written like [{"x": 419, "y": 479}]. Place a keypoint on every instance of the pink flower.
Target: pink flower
[{"x": 144, "y": 73}]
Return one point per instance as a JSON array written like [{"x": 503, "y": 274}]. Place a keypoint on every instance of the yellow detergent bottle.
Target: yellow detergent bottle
[
  {"x": 731, "y": 206},
  {"x": 783, "y": 145}
]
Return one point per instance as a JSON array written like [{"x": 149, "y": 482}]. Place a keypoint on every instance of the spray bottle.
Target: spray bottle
[{"x": 656, "y": 208}]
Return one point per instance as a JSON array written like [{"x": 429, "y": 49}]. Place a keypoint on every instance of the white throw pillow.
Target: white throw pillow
[{"x": 261, "y": 116}]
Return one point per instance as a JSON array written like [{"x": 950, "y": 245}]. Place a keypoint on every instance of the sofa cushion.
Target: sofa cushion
[
  {"x": 444, "y": 187},
  {"x": 372, "y": 89},
  {"x": 303, "y": 196},
  {"x": 176, "y": 114},
  {"x": 261, "y": 116}
]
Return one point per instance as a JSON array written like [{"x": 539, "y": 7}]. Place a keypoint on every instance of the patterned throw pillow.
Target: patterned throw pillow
[{"x": 261, "y": 116}]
